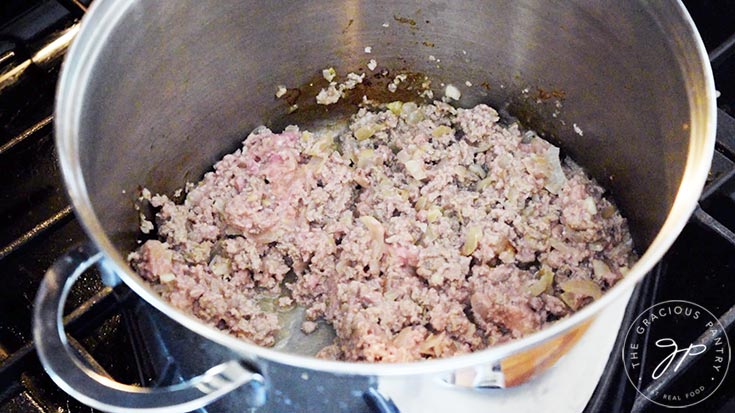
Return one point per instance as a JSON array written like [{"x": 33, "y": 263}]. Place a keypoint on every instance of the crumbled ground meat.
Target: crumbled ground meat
[{"x": 418, "y": 232}]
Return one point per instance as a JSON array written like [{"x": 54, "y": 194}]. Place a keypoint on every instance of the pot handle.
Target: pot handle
[{"x": 103, "y": 393}]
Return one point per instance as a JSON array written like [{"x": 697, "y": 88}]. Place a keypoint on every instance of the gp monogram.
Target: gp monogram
[{"x": 685, "y": 341}]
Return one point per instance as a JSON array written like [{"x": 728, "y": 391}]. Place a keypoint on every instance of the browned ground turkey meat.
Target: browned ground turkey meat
[{"x": 417, "y": 232}]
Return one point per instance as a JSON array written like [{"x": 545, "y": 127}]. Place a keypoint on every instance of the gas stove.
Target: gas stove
[{"x": 105, "y": 324}]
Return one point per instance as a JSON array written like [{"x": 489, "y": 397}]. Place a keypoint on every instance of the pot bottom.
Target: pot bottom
[{"x": 566, "y": 385}]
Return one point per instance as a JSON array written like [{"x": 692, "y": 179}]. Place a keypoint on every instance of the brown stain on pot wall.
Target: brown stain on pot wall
[
  {"x": 405, "y": 20},
  {"x": 292, "y": 95},
  {"x": 552, "y": 94},
  {"x": 374, "y": 87},
  {"x": 349, "y": 23}
]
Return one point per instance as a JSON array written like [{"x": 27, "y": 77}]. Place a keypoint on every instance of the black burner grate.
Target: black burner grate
[
  {"x": 37, "y": 219},
  {"x": 697, "y": 268}
]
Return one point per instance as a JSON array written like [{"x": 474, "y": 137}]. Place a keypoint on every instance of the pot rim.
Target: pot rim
[{"x": 103, "y": 17}]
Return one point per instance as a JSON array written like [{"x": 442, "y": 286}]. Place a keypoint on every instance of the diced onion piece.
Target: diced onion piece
[
  {"x": 361, "y": 180},
  {"x": 365, "y": 158},
  {"x": 504, "y": 160},
  {"x": 364, "y": 132},
  {"x": 436, "y": 279},
  {"x": 452, "y": 92},
  {"x": 477, "y": 170},
  {"x": 408, "y": 108},
  {"x": 543, "y": 283},
  {"x": 374, "y": 226},
  {"x": 270, "y": 236},
  {"x": 414, "y": 117},
  {"x": 220, "y": 266},
  {"x": 441, "y": 130},
  {"x": 166, "y": 277},
  {"x": 513, "y": 195},
  {"x": 433, "y": 214},
  {"x": 267, "y": 304},
  {"x": 485, "y": 183},
  {"x": 352, "y": 80},
  {"x": 146, "y": 226},
  {"x": 560, "y": 246},
  {"x": 569, "y": 299},
  {"x": 429, "y": 236},
  {"x": 461, "y": 172},
  {"x": 219, "y": 204},
  {"x": 329, "y": 74},
  {"x": 529, "y": 136},
  {"x": 403, "y": 155},
  {"x": 328, "y": 96},
  {"x": 589, "y": 205},
  {"x": 587, "y": 288},
  {"x": 431, "y": 344},
  {"x": 483, "y": 146},
  {"x": 390, "y": 295},
  {"x": 377, "y": 233},
  {"x": 421, "y": 203},
  {"x": 602, "y": 270},
  {"x": 555, "y": 179},
  {"x": 395, "y": 107},
  {"x": 315, "y": 164},
  {"x": 280, "y": 91},
  {"x": 405, "y": 338},
  {"x": 323, "y": 147},
  {"x": 306, "y": 136},
  {"x": 416, "y": 169},
  {"x": 474, "y": 233}
]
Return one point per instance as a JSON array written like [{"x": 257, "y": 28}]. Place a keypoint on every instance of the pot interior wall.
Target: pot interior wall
[{"x": 182, "y": 83}]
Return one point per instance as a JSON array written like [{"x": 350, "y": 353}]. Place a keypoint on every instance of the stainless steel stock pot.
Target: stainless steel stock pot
[{"x": 152, "y": 93}]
